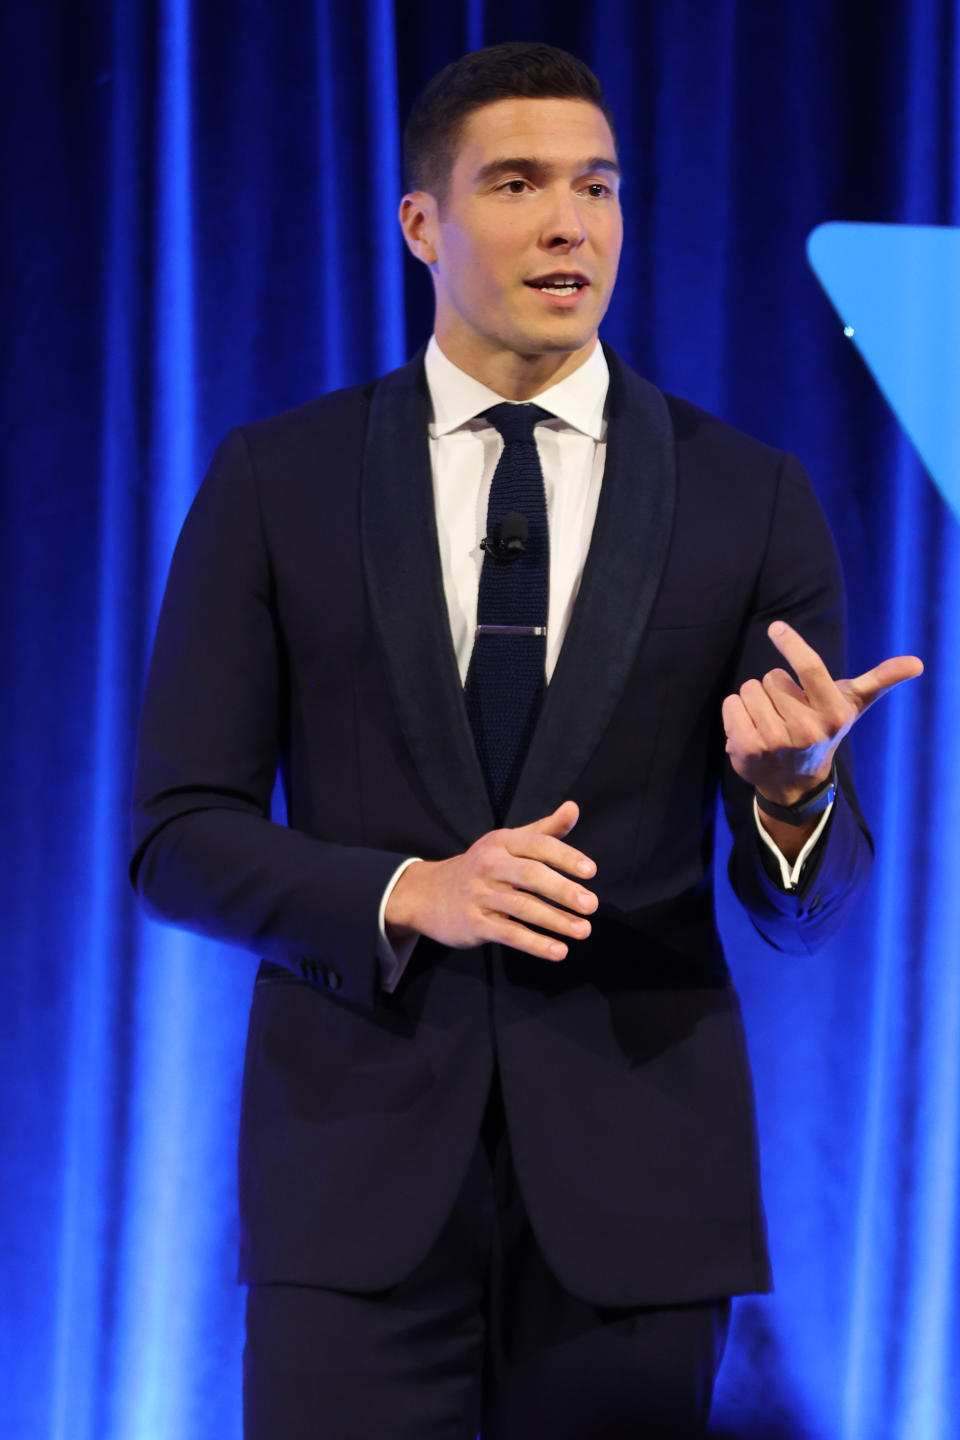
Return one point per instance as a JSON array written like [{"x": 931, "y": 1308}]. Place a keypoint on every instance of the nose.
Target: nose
[{"x": 563, "y": 223}]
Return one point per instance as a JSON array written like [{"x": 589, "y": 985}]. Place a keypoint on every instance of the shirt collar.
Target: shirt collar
[{"x": 457, "y": 397}]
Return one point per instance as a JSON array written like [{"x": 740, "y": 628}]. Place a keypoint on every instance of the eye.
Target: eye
[
  {"x": 514, "y": 187},
  {"x": 597, "y": 190}
]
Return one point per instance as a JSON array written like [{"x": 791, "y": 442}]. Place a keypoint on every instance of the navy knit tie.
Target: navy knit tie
[{"x": 506, "y": 678}]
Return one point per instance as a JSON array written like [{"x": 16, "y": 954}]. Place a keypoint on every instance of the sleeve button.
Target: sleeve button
[{"x": 332, "y": 977}]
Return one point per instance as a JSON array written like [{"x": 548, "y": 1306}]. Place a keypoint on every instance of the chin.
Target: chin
[
  {"x": 555, "y": 340},
  {"x": 565, "y": 344}
]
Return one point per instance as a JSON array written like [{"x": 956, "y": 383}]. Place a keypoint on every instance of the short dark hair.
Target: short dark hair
[{"x": 499, "y": 72}]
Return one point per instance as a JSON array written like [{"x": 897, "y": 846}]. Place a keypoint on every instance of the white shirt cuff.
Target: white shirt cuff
[
  {"x": 790, "y": 875},
  {"x": 393, "y": 959}
]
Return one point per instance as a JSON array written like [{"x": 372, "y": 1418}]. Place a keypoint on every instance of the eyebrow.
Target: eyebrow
[{"x": 530, "y": 164}]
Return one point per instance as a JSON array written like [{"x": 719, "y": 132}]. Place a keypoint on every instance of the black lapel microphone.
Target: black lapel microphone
[{"x": 508, "y": 540}]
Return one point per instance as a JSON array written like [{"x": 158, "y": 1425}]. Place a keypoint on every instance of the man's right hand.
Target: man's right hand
[{"x": 498, "y": 888}]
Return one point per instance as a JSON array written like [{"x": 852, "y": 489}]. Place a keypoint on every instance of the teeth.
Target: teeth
[{"x": 561, "y": 289}]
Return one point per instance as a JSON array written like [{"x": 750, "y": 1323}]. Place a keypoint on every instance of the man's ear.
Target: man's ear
[{"x": 418, "y": 221}]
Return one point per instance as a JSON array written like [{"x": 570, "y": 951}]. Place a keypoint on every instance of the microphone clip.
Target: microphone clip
[{"x": 508, "y": 540}]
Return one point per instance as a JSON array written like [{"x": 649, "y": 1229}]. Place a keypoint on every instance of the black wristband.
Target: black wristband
[{"x": 807, "y": 808}]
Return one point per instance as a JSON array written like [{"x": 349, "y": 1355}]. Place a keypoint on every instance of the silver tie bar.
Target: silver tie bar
[{"x": 510, "y": 630}]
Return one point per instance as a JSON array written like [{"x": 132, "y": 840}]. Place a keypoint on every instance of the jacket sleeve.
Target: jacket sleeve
[
  {"x": 206, "y": 855},
  {"x": 799, "y": 581}
]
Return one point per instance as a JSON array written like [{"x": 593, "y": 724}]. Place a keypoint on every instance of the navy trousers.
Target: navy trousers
[{"x": 481, "y": 1338}]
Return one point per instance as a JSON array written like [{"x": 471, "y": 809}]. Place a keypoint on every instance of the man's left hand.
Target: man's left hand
[{"x": 781, "y": 735}]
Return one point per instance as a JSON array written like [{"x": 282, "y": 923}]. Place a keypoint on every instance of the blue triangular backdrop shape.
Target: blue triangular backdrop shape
[{"x": 897, "y": 290}]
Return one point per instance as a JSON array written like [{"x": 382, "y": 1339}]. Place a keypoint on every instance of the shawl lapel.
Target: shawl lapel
[
  {"x": 405, "y": 585},
  {"x": 628, "y": 551}
]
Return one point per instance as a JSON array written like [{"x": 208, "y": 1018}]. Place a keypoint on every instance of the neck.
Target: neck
[{"x": 517, "y": 377}]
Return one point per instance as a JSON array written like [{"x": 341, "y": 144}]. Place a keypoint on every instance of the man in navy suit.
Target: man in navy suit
[{"x": 497, "y": 1150}]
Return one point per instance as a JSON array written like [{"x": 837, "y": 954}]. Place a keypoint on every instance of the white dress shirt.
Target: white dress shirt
[{"x": 464, "y": 450}]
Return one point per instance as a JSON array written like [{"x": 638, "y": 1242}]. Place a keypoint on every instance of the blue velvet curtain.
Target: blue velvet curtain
[{"x": 198, "y": 229}]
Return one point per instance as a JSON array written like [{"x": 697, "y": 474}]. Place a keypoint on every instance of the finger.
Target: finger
[
  {"x": 766, "y": 719},
  {"x": 528, "y": 840},
  {"x": 802, "y": 721},
  {"x": 523, "y": 874},
  {"x": 550, "y": 851},
  {"x": 778, "y": 683},
  {"x": 505, "y": 931},
  {"x": 864, "y": 689},
  {"x": 739, "y": 729},
  {"x": 815, "y": 678},
  {"x": 532, "y": 910},
  {"x": 560, "y": 823}
]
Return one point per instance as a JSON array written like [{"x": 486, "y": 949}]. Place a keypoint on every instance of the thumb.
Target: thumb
[
  {"x": 864, "y": 689},
  {"x": 561, "y": 822}
]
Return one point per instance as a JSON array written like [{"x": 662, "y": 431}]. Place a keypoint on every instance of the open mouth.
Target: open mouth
[{"x": 559, "y": 284}]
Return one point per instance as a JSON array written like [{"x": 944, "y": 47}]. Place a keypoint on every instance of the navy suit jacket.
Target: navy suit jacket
[{"x": 305, "y": 625}]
